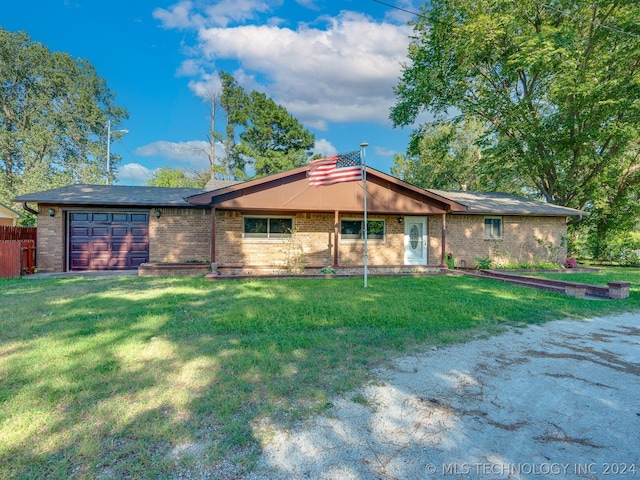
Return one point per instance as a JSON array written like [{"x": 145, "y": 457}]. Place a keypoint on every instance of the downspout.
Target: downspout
[
  {"x": 213, "y": 238},
  {"x": 443, "y": 240},
  {"x": 336, "y": 231},
  {"x": 29, "y": 209},
  {"x": 574, "y": 221}
]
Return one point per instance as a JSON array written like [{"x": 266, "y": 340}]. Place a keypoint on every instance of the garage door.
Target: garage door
[{"x": 108, "y": 240}]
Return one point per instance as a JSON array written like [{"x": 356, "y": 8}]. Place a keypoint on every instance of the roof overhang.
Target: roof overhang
[
  {"x": 290, "y": 192},
  {"x": 8, "y": 212}
]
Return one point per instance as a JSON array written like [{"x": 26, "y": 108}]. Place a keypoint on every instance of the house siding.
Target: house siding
[
  {"x": 520, "y": 239},
  {"x": 314, "y": 234},
  {"x": 180, "y": 235},
  {"x": 51, "y": 232}
]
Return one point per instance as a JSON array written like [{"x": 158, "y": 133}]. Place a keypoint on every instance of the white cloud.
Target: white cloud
[
  {"x": 185, "y": 14},
  {"x": 193, "y": 153},
  {"x": 178, "y": 16},
  {"x": 324, "y": 147},
  {"x": 384, "y": 151},
  {"x": 342, "y": 72},
  {"x": 133, "y": 174}
]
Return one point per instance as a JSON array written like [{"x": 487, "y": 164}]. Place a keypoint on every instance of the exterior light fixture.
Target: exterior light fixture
[
  {"x": 400, "y": 220},
  {"x": 158, "y": 213},
  {"x": 51, "y": 212}
]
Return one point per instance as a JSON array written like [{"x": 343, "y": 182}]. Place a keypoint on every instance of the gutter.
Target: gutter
[{"x": 29, "y": 209}]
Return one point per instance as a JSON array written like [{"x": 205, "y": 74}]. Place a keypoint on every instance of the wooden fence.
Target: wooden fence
[{"x": 17, "y": 251}]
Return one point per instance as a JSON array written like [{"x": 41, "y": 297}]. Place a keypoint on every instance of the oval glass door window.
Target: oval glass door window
[{"x": 414, "y": 236}]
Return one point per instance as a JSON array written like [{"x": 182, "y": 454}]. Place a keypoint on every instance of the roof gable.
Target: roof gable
[{"x": 290, "y": 191}]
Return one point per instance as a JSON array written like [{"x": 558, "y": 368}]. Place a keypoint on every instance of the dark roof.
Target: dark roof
[
  {"x": 113, "y": 195},
  {"x": 118, "y": 195},
  {"x": 214, "y": 184},
  {"x": 494, "y": 203}
]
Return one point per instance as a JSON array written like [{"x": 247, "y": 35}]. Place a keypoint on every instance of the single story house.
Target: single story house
[
  {"x": 8, "y": 216},
  {"x": 256, "y": 226}
]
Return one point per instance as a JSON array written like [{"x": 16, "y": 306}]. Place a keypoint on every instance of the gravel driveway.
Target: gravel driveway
[{"x": 561, "y": 400}]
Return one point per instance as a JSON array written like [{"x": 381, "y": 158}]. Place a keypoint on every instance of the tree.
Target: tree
[
  {"x": 53, "y": 112},
  {"x": 176, "y": 177},
  {"x": 273, "y": 138},
  {"x": 557, "y": 85},
  {"x": 269, "y": 138},
  {"x": 233, "y": 101},
  {"x": 443, "y": 155}
]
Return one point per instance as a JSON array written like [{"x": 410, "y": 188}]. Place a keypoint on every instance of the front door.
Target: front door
[{"x": 415, "y": 240}]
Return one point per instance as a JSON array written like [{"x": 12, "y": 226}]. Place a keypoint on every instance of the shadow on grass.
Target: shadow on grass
[{"x": 145, "y": 378}]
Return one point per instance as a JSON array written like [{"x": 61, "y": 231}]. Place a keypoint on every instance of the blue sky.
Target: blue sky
[{"x": 332, "y": 64}]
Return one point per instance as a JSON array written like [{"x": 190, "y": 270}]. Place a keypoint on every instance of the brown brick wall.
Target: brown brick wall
[
  {"x": 51, "y": 240},
  {"x": 389, "y": 251},
  {"x": 180, "y": 235},
  {"x": 314, "y": 234},
  {"x": 465, "y": 238}
]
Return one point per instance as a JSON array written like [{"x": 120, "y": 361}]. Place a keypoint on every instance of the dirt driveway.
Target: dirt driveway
[{"x": 561, "y": 400}]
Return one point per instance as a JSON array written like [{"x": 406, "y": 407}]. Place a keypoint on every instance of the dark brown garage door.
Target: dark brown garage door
[{"x": 108, "y": 241}]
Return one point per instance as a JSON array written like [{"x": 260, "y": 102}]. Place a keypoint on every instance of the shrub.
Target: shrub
[
  {"x": 484, "y": 263},
  {"x": 328, "y": 270},
  {"x": 570, "y": 263},
  {"x": 450, "y": 261}
]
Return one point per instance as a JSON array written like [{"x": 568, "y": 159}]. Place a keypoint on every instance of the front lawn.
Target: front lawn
[{"x": 153, "y": 378}]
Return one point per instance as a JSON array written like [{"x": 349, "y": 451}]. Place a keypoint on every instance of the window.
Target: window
[
  {"x": 266, "y": 227},
  {"x": 352, "y": 229},
  {"x": 493, "y": 228}
]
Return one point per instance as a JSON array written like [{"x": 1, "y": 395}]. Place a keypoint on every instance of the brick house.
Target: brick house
[{"x": 259, "y": 225}]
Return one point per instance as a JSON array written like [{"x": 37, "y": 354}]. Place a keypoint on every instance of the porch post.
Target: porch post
[
  {"x": 443, "y": 241},
  {"x": 213, "y": 234},
  {"x": 336, "y": 231}
]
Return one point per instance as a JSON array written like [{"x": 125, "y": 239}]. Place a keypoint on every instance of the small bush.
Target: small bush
[
  {"x": 571, "y": 263},
  {"x": 450, "y": 261},
  {"x": 328, "y": 270},
  {"x": 484, "y": 263}
]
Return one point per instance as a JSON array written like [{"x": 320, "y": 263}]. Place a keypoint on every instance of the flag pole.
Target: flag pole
[{"x": 364, "y": 145}]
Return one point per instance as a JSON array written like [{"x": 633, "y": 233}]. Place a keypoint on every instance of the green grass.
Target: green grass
[{"x": 148, "y": 377}]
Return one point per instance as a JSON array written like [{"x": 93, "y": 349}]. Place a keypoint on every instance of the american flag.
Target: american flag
[{"x": 345, "y": 167}]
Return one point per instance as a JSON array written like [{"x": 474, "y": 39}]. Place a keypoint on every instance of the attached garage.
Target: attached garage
[
  {"x": 107, "y": 240},
  {"x": 114, "y": 227}
]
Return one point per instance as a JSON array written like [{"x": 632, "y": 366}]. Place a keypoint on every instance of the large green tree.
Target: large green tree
[
  {"x": 444, "y": 155},
  {"x": 234, "y": 101},
  {"x": 177, "y": 177},
  {"x": 256, "y": 131},
  {"x": 273, "y": 138},
  {"x": 53, "y": 112},
  {"x": 557, "y": 85}
]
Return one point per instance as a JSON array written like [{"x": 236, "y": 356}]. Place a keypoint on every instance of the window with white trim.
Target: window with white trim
[
  {"x": 267, "y": 227},
  {"x": 493, "y": 228},
  {"x": 352, "y": 229}
]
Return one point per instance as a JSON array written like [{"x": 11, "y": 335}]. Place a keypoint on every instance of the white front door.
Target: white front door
[{"x": 415, "y": 240}]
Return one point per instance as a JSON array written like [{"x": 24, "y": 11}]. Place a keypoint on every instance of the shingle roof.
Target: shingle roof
[
  {"x": 113, "y": 195},
  {"x": 118, "y": 195},
  {"x": 494, "y": 203},
  {"x": 214, "y": 184}
]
